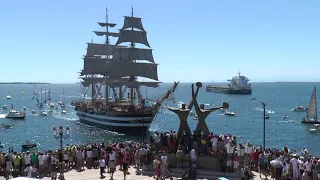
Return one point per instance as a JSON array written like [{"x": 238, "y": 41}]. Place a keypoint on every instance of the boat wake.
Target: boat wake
[
  {"x": 267, "y": 111},
  {"x": 65, "y": 117}
]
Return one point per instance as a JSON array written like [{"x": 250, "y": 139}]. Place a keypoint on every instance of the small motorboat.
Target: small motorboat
[
  {"x": 13, "y": 114},
  {"x": 195, "y": 117},
  {"x": 33, "y": 111},
  {"x": 73, "y": 103},
  {"x": 51, "y": 105},
  {"x": 8, "y": 97},
  {"x": 229, "y": 113},
  {"x": 300, "y": 109},
  {"x": 24, "y": 109},
  {"x": 6, "y": 126},
  {"x": 267, "y": 116},
  {"x": 316, "y": 128},
  {"x": 253, "y": 98},
  {"x": 5, "y": 107},
  {"x": 40, "y": 105},
  {"x": 63, "y": 112},
  {"x": 28, "y": 145},
  {"x": 43, "y": 113},
  {"x": 285, "y": 116}
]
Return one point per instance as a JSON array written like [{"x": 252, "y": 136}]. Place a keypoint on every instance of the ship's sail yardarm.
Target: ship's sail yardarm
[{"x": 312, "y": 110}]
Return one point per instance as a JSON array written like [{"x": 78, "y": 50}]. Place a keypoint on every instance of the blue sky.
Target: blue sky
[{"x": 208, "y": 40}]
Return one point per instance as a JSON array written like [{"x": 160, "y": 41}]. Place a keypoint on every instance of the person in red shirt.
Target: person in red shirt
[
  {"x": 127, "y": 156},
  {"x": 255, "y": 156}
]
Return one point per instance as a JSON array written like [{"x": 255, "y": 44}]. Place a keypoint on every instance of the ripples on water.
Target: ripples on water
[{"x": 247, "y": 124}]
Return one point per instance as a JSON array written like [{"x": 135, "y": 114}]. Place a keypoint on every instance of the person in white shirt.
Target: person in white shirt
[
  {"x": 164, "y": 159},
  {"x": 308, "y": 169},
  {"x": 41, "y": 164},
  {"x": 27, "y": 159},
  {"x": 29, "y": 171},
  {"x": 193, "y": 155},
  {"x": 294, "y": 163},
  {"x": 102, "y": 165},
  {"x": 214, "y": 141},
  {"x": 89, "y": 159},
  {"x": 156, "y": 138},
  {"x": 301, "y": 166}
]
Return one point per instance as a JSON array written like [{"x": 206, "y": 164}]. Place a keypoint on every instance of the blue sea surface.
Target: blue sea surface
[{"x": 280, "y": 98}]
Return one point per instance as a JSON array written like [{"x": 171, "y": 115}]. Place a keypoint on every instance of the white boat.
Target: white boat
[
  {"x": 33, "y": 111},
  {"x": 8, "y": 97},
  {"x": 63, "y": 112},
  {"x": 285, "y": 116},
  {"x": 43, "y": 113},
  {"x": 5, "y": 107},
  {"x": 13, "y": 114},
  {"x": 316, "y": 128},
  {"x": 195, "y": 117},
  {"x": 299, "y": 109},
  {"x": 51, "y": 105},
  {"x": 267, "y": 116},
  {"x": 229, "y": 113},
  {"x": 312, "y": 113}
]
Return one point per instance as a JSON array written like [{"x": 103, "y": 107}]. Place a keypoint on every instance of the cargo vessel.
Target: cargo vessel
[{"x": 238, "y": 85}]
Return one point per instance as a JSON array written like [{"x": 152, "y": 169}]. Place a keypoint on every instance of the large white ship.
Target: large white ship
[{"x": 118, "y": 69}]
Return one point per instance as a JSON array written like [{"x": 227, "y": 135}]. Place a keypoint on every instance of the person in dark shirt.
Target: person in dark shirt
[
  {"x": 278, "y": 173},
  {"x": 54, "y": 169},
  {"x": 125, "y": 169}
]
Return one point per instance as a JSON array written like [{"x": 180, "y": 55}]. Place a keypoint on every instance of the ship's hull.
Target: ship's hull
[
  {"x": 123, "y": 123},
  {"x": 305, "y": 121},
  {"x": 218, "y": 89}
]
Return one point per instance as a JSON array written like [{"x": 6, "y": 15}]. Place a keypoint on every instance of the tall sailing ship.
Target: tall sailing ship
[{"x": 119, "y": 68}]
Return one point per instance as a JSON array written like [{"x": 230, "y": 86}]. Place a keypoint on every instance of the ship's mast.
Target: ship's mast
[
  {"x": 92, "y": 85},
  {"x": 132, "y": 77},
  {"x": 107, "y": 42}
]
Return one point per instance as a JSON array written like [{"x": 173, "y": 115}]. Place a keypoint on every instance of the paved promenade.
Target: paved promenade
[{"x": 94, "y": 174}]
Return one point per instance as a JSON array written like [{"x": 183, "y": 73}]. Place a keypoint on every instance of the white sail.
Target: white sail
[
  {"x": 312, "y": 110},
  {"x": 103, "y": 33},
  {"x": 103, "y": 24},
  {"x": 133, "y": 36},
  {"x": 132, "y": 22},
  {"x": 129, "y": 54},
  {"x": 124, "y": 69}
]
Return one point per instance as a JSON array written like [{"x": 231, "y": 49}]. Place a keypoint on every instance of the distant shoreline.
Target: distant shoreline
[{"x": 23, "y": 83}]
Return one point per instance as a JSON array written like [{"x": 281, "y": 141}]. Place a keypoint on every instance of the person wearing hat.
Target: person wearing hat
[{"x": 294, "y": 165}]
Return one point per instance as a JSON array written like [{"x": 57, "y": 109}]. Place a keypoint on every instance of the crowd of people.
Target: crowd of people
[{"x": 280, "y": 164}]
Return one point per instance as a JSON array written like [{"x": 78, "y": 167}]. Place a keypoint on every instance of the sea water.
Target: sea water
[{"x": 279, "y": 98}]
